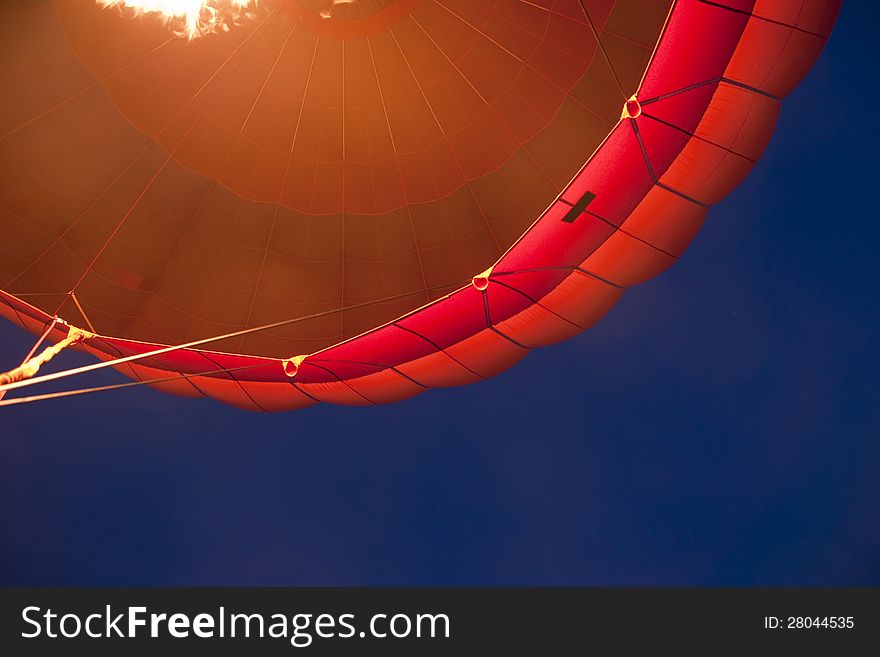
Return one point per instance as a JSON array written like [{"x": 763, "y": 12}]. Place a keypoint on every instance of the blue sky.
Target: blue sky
[{"x": 720, "y": 427}]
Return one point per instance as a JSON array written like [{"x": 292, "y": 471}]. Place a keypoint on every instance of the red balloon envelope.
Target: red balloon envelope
[{"x": 366, "y": 198}]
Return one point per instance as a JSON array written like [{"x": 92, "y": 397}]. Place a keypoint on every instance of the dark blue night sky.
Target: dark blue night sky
[{"x": 720, "y": 427}]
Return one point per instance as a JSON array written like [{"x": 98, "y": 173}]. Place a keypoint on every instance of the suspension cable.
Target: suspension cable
[
  {"x": 14, "y": 384},
  {"x": 33, "y": 350},
  {"x": 32, "y": 365},
  {"x": 116, "y": 386}
]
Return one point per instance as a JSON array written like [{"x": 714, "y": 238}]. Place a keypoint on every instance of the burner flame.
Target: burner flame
[{"x": 191, "y": 18}]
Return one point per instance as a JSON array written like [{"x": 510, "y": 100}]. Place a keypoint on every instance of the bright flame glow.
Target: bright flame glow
[
  {"x": 328, "y": 13},
  {"x": 191, "y": 18}
]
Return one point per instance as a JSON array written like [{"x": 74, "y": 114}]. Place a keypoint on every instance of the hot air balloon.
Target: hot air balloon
[{"x": 276, "y": 203}]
